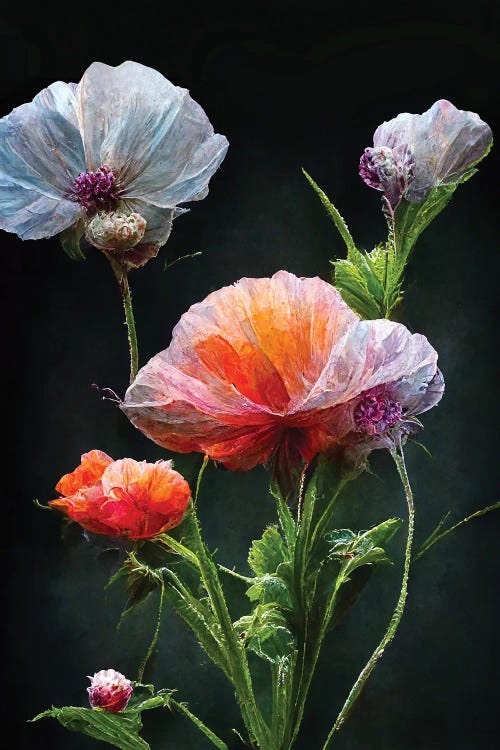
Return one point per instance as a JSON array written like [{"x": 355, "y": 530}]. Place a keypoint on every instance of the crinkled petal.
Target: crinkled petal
[
  {"x": 156, "y": 138},
  {"x": 90, "y": 471},
  {"x": 268, "y": 339},
  {"x": 268, "y": 363},
  {"x": 41, "y": 147},
  {"x": 32, "y": 215},
  {"x": 41, "y": 153},
  {"x": 444, "y": 142},
  {"x": 371, "y": 353},
  {"x": 417, "y": 394}
]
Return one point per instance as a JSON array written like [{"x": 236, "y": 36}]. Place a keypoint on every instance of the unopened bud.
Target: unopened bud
[
  {"x": 116, "y": 231},
  {"x": 110, "y": 690}
]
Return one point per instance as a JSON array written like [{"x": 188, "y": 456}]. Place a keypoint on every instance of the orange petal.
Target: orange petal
[{"x": 88, "y": 473}]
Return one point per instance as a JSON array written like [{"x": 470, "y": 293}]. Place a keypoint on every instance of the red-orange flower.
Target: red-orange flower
[
  {"x": 274, "y": 369},
  {"x": 126, "y": 498}
]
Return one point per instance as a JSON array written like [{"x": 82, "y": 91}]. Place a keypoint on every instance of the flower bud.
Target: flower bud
[
  {"x": 116, "y": 231},
  {"x": 110, "y": 690}
]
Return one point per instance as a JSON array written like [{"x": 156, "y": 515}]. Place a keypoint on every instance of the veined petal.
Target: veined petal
[
  {"x": 41, "y": 147},
  {"x": 444, "y": 143},
  {"x": 41, "y": 153},
  {"x": 371, "y": 353},
  {"x": 272, "y": 369},
  {"x": 158, "y": 141},
  {"x": 32, "y": 215}
]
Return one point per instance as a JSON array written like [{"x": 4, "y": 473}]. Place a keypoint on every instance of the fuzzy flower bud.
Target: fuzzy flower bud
[
  {"x": 116, "y": 231},
  {"x": 110, "y": 690}
]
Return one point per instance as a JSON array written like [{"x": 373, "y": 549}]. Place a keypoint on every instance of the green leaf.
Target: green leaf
[
  {"x": 141, "y": 580},
  {"x": 266, "y": 633},
  {"x": 363, "y": 548},
  {"x": 120, "y": 730},
  {"x": 412, "y": 218},
  {"x": 370, "y": 283},
  {"x": 350, "y": 280},
  {"x": 267, "y": 552},
  {"x": 197, "y": 614},
  {"x": 70, "y": 241},
  {"x": 270, "y": 589},
  {"x": 333, "y": 214},
  {"x": 379, "y": 535}
]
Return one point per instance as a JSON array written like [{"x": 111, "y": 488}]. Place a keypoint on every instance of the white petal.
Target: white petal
[
  {"x": 156, "y": 138},
  {"x": 40, "y": 144},
  {"x": 32, "y": 215}
]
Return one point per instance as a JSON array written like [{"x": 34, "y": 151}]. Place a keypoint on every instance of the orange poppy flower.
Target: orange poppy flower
[
  {"x": 126, "y": 498},
  {"x": 273, "y": 369}
]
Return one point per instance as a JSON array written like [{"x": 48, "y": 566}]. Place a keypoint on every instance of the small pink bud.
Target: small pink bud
[{"x": 109, "y": 690}]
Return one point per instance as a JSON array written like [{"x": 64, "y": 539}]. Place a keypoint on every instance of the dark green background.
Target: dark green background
[{"x": 289, "y": 88}]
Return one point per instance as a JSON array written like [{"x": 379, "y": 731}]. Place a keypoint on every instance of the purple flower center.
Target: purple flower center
[
  {"x": 95, "y": 190},
  {"x": 375, "y": 413}
]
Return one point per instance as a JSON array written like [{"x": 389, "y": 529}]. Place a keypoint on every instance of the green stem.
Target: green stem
[
  {"x": 430, "y": 541},
  {"x": 182, "y": 709},
  {"x": 152, "y": 645},
  {"x": 121, "y": 275},
  {"x": 397, "y": 614},
  {"x": 236, "y": 653}
]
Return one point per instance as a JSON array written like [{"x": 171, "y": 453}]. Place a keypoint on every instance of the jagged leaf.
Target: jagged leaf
[
  {"x": 412, "y": 218},
  {"x": 267, "y": 552},
  {"x": 350, "y": 280},
  {"x": 196, "y": 612},
  {"x": 141, "y": 580},
  {"x": 269, "y": 589},
  {"x": 266, "y": 633},
  {"x": 333, "y": 214},
  {"x": 120, "y": 730}
]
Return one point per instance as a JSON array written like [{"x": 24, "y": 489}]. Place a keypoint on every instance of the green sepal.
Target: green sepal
[{"x": 70, "y": 240}]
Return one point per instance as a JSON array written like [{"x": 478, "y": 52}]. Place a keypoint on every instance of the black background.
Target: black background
[{"x": 290, "y": 88}]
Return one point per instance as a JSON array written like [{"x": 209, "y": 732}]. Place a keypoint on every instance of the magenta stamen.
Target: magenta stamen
[
  {"x": 96, "y": 190},
  {"x": 375, "y": 413}
]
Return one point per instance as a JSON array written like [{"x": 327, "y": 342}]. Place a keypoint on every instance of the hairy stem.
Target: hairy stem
[
  {"x": 121, "y": 275},
  {"x": 396, "y": 616},
  {"x": 152, "y": 645}
]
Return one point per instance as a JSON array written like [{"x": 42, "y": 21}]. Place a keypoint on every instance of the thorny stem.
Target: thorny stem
[
  {"x": 121, "y": 275},
  {"x": 398, "y": 611}
]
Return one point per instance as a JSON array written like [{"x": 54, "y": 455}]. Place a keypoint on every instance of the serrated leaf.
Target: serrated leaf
[
  {"x": 412, "y": 218},
  {"x": 70, "y": 241},
  {"x": 269, "y": 589},
  {"x": 266, "y": 633},
  {"x": 120, "y": 730},
  {"x": 350, "y": 280},
  {"x": 198, "y": 615},
  {"x": 267, "y": 552},
  {"x": 333, "y": 214},
  {"x": 141, "y": 580}
]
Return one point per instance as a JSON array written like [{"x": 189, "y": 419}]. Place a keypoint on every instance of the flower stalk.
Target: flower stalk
[
  {"x": 365, "y": 673},
  {"x": 121, "y": 274}
]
